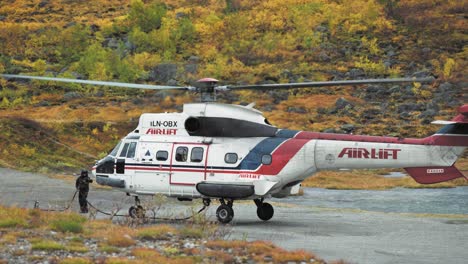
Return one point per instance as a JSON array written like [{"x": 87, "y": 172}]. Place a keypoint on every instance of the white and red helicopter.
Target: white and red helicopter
[{"x": 231, "y": 152}]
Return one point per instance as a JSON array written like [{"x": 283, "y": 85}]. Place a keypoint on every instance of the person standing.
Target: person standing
[{"x": 82, "y": 185}]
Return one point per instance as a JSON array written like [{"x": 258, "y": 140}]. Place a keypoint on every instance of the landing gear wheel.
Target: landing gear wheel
[
  {"x": 136, "y": 211},
  {"x": 265, "y": 211},
  {"x": 224, "y": 213}
]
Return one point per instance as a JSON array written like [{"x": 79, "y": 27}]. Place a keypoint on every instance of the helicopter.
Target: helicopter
[{"x": 213, "y": 151}]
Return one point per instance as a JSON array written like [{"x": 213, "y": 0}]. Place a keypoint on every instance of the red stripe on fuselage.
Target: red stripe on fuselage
[
  {"x": 281, "y": 156},
  {"x": 438, "y": 140},
  {"x": 449, "y": 140}
]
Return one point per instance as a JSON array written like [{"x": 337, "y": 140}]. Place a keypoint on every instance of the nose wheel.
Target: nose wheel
[
  {"x": 265, "y": 211},
  {"x": 225, "y": 213},
  {"x": 137, "y": 211}
]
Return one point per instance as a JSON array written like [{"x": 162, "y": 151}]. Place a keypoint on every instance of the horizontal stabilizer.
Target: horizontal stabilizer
[{"x": 429, "y": 175}]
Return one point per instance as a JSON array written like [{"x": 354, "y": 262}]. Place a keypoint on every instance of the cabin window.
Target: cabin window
[
  {"x": 197, "y": 155},
  {"x": 123, "y": 153},
  {"x": 114, "y": 151},
  {"x": 230, "y": 158},
  {"x": 162, "y": 155},
  {"x": 131, "y": 150},
  {"x": 266, "y": 159},
  {"x": 181, "y": 154}
]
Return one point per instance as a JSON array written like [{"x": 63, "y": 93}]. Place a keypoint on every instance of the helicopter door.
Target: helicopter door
[
  {"x": 188, "y": 163},
  {"x": 152, "y": 168}
]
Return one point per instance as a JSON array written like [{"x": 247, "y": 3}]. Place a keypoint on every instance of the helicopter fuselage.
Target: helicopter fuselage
[{"x": 226, "y": 151}]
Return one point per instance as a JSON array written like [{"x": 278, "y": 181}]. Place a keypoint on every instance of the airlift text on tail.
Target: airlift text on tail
[{"x": 362, "y": 153}]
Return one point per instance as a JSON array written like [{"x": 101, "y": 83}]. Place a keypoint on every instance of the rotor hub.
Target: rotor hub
[{"x": 206, "y": 86}]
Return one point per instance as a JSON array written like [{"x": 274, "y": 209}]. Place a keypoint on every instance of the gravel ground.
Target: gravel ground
[{"x": 353, "y": 235}]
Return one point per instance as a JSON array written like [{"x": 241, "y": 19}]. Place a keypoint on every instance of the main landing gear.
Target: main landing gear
[
  {"x": 137, "y": 211},
  {"x": 264, "y": 210},
  {"x": 225, "y": 213}
]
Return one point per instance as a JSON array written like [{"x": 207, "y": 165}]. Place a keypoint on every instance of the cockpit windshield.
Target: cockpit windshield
[{"x": 114, "y": 151}]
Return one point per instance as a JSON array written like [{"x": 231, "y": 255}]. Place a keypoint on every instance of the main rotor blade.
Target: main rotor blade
[
  {"x": 114, "y": 84},
  {"x": 325, "y": 83}
]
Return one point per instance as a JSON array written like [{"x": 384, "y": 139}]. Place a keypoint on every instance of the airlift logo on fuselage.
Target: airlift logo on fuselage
[
  {"x": 362, "y": 153},
  {"x": 162, "y": 131}
]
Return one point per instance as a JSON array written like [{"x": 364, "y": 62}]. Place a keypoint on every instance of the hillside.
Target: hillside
[{"x": 236, "y": 41}]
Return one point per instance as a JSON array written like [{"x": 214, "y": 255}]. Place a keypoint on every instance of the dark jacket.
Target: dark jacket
[{"x": 82, "y": 183}]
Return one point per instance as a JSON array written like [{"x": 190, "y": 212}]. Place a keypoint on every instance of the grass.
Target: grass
[
  {"x": 167, "y": 241},
  {"x": 11, "y": 223},
  {"x": 120, "y": 240},
  {"x": 76, "y": 246},
  {"x": 67, "y": 226},
  {"x": 108, "y": 249},
  {"x": 160, "y": 232},
  {"x": 261, "y": 251},
  {"x": 76, "y": 261},
  {"x": 190, "y": 232},
  {"x": 47, "y": 245}
]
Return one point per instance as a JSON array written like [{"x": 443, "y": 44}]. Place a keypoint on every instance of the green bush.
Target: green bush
[
  {"x": 11, "y": 223},
  {"x": 47, "y": 245},
  {"x": 146, "y": 17},
  {"x": 188, "y": 232},
  {"x": 67, "y": 226}
]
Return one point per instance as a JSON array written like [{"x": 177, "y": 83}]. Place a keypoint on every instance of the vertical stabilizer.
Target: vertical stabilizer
[{"x": 453, "y": 138}]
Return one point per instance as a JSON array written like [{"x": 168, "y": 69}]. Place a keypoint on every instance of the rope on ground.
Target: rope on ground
[
  {"x": 152, "y": 218},
  {"x": 36, "y": 205}
]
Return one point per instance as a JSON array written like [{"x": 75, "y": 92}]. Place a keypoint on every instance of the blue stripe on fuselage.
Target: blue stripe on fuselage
[{"x": 286, "y": 133}]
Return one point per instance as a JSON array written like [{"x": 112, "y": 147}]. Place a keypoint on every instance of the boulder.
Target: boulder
[
  {"x": 111, "y": 43},
  {"x": 172, "y": 82},
  {"x": 72, "y": 95},
  {"x": 94, "y": 28},
  {"x": 191, "y": 68},
  {"x": 376, "y": 92},
  {"x": 410, "y": 107},
  {"x": 321, "y": 29},
  {"x": 43, "y": 3},
  {"x": 432, "y": 106},
  {"x": 329, "y": 130},
  {"x": 43, "y": 103},
  {"x": 342, "y": 103},
  {"x": 405, "y": 115},
  {"x": 428, "y": 114},
  {"x": 99, "y": 94},
  {"x": 299, "y": 109},
  {"x": 355, "y": 73},
  {"x": 323, "y": 56},
  {"x": 163, "y": 73},
  {"x": 369, "y": 114},
  {"x": 421, "y": 74},
  {"x": 445, "y": 87},
  {"x": 394, "y": 89},
  {"x": 348, "y": 128}
]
